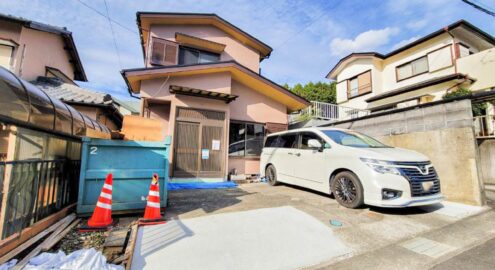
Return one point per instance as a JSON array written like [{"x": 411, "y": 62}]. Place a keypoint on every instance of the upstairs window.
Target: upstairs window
[
  {"x": 164, "y": 52},
  {"x": 359, "y": 85},
  {"x": 413, "y": 68},
  {"x": 190, "y": 56}
]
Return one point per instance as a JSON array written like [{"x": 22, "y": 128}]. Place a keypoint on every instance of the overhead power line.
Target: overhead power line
[
  {"x": 113, "y": 34},
  {"x": 313, "y": 21},
  {"x": 107, "y": 17},
  {"x": 480, "y": 8}
]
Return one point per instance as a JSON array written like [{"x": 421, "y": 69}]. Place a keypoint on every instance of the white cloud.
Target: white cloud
[
  {"x": 417, "y": 24},
  {"x": 405, "y": 42},
  {"x": 366, "y": 41}
]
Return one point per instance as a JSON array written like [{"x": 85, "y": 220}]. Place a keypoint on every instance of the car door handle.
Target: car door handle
[{"x": 298, "y": 154}]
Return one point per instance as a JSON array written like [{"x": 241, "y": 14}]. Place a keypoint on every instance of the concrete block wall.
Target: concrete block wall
[
  {"x": 444, "y": 133},
  {"x": 455, "y": 114}
]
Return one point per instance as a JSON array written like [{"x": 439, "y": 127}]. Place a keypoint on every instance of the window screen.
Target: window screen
[
  {"x": 189, "y": 56},
  {"x": 412, "y": 68}
]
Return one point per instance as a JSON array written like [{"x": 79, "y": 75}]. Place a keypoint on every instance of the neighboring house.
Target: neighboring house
[
  {"x": 201, "y": 78},
  {"x": 97, "y": 106},
  {"x": 31, "y": 49},
  {"x": 457, "y": 56}
]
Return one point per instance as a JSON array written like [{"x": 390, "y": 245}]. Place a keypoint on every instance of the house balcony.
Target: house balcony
[
  {"x": 326, "y": 112},
  {"x": 484, "y": 127},
  {"x": 479, "y": 66}
]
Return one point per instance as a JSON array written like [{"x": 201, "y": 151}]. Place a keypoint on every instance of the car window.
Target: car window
[
  {"x": 271, "y": 141},
  {"x": 353, "y": 139},
  {"x": 306, "y": 136},
  {"x": 287, "y": 141}
]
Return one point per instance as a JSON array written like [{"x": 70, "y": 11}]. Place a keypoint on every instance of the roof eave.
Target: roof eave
[
  {"x": 234, "y": 64},
  {"x": 213, "y": 15}
]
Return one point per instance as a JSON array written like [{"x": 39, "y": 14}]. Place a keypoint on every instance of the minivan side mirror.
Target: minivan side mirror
[{"x": 315, "y": 144}]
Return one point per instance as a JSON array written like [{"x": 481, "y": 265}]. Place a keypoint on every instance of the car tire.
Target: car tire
[
  {"x": 271, "y": 175},
  {"x": 347, "y": 190}
]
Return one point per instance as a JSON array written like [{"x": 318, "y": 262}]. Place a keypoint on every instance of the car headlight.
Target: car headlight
[{"x": 380, "y": 166}]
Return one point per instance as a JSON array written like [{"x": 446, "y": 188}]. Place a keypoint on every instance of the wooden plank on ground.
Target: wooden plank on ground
[
  {"x": 57, "y": 237},
  {"x": 35, "y": 239},
  {"x": 17, "y": 239},
  {"x": 47, "y": 243},
  {"x": 129, "y": 250}
]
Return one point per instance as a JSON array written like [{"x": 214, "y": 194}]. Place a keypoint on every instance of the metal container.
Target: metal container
[{"x": 132, "y": 164}]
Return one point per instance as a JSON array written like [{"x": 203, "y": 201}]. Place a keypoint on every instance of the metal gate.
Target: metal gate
[{"x": 199, "y": 144}]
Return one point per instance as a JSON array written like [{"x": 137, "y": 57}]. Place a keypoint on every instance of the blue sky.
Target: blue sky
[{"x": 308, "y": 37}]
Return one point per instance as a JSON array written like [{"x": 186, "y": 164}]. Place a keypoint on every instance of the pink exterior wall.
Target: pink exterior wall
[
  {"x": 253, "y": 106},
  {"x": 234, "y": 50},
  {"x": 42, "y": 49},
  {"x": 36, "y": 50},
  {"x": 250, "y": 106},
  {"x": 10, "y": 31}
]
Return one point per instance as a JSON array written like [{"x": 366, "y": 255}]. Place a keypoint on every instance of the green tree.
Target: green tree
[{"x": 320, "y": 91}]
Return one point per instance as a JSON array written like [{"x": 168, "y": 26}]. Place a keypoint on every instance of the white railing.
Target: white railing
[
  {"x": 326, "y": 111},
  {"x": 484, "y": 126}
]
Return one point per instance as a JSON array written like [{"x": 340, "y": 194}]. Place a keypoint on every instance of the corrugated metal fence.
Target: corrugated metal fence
[{"x": 36, "y": 189}]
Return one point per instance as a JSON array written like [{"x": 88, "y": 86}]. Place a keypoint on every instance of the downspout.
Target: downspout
[{"x": 453, "y": 47}]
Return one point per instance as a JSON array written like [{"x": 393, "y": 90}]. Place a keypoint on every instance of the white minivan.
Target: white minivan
[{"x": 355, "y": 168}]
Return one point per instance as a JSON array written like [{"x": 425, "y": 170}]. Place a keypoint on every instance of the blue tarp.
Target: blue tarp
[{"x": 200, "y": 185}]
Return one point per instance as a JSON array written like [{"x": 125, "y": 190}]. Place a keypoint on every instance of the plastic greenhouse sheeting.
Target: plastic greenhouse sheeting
[
  {"x": 25, "y": 103},
  {"x": 201, "y": 185},
  {"x": 83, "y": 259}
]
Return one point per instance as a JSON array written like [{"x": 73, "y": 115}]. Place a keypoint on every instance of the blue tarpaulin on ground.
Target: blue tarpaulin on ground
[{"x": 201, "y": 185}]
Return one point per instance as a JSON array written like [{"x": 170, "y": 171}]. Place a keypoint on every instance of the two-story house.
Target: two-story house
[
  {"x": 30, "y": 49},
  {"x": 459, "y": 55},
  {"x": 47, "y": 56},
  {"x": 201, "y": 79}
]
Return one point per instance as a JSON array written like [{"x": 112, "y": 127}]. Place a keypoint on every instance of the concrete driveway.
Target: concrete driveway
[{"x": 361, "y": 231}]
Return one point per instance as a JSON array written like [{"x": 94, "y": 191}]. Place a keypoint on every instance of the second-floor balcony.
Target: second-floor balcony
[{"x": 326, "y": 111}]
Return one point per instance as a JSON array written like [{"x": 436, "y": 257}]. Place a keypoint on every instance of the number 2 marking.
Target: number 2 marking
[{"x": 93, "y": 150}]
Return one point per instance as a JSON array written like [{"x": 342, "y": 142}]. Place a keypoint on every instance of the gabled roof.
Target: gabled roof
[
  {"x": 133, "y": 77},
  {"x": 66, "y": 35},
  {"x": 145, "y": 19},
  {"x": 461, "y": 23}
]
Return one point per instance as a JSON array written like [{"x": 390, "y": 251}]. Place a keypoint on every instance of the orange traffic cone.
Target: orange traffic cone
[
  {"x": 152, "y": 212},
  {"x": 102, "y": 216}
]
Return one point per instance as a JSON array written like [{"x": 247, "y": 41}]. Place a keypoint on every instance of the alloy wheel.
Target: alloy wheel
[{"x": 345, "y": 190}]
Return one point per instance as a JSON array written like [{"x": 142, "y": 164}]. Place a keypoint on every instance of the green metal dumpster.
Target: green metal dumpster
[{"x": 132, "y": 164}]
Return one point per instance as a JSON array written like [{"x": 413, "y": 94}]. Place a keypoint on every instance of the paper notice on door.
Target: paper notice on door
[
  {"x": 205, "y": 154},
  {"x": 215, "y": 145}
]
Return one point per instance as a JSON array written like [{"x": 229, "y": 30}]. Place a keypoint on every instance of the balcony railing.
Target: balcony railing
[
  {"x": 326, "y": 111},
  {"x": 484, "y": 126}
]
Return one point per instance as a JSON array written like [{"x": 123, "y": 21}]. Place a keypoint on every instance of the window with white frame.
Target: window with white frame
[
  {"x": 6, "y": 52},
  {"x": 353, "y": 87}
]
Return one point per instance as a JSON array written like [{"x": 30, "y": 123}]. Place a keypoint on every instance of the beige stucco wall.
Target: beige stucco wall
[
  {"x": 480, "y": 66},
  {"x": 244, "y": 166},
  {"x": 455, "y": 161},
  {"x": 234, "y": 50}
]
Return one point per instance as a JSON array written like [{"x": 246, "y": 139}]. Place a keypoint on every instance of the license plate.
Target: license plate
[{"x": 427, "y": 185}]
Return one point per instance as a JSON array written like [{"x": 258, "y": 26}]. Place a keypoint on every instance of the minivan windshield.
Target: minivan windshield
[{"x": 353, "y": 139}]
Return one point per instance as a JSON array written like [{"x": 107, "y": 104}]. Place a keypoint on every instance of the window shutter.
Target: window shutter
[
  {"x": 164, "y": 52},
  {"x": 364, "y": 82}
]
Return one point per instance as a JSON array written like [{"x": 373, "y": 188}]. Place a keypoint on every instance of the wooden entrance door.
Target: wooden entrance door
[{"x": 199, "y": 143}]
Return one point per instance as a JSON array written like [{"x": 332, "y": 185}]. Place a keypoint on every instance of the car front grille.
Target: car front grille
[{"x": 416, "y": 178}]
